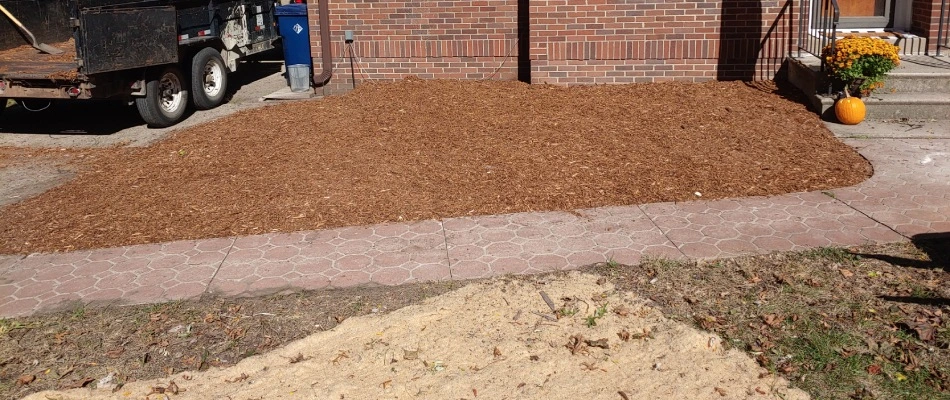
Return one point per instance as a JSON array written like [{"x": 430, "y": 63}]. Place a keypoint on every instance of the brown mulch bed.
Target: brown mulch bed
[{"x": 416, "y": 149}]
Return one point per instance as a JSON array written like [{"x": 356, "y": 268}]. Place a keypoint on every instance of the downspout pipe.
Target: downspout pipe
[
  {"x": 524, "y": 41},
  {"x": 326, "y": 53}
]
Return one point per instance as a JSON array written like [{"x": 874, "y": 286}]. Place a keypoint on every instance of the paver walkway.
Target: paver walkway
[{"x": 909, "y": 194}]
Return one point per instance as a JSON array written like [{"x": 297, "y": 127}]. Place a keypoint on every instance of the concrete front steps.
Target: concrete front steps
[{"x": 918, "y": 89}]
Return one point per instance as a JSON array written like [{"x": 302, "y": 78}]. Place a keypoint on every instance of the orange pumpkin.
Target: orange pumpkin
[{"x": 850, "y": 110}]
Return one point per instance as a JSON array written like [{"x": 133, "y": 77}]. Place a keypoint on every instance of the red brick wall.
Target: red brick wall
[
  {"x": 572, "y": 42},
  {"x": 643, "y": 41},
  {"x": 925, "y": 19},
  {"x": 431, "y": 39}
]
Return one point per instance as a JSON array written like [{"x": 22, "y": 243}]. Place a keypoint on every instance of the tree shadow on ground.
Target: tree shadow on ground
[
  {"x": 937, "y": 248},
  {"x": 935, "y": 245}
]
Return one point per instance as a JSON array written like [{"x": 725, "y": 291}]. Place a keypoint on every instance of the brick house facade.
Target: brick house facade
[{"x": 568, "y": 41}]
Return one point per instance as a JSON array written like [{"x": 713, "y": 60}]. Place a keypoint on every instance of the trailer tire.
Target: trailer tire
[
  {"x": 166, "y": 98},
  {"x": 209, "y": 79}
]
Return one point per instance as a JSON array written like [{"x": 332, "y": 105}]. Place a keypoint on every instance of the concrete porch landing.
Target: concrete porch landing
[
  {"x": 909, "y": 194},
  {"x": 919, "y": 88}
]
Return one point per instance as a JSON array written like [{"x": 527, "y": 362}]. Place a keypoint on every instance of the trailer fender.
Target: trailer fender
[
  {"x": 138, "y": 88},
  {"x": 230, "y": 59}
]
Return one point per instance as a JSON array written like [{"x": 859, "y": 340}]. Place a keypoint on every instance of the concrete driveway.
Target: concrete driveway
[{"x": 104, "y": 124}]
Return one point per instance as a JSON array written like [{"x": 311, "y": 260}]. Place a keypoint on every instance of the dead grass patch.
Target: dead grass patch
[{"x": 865, "y": 323}]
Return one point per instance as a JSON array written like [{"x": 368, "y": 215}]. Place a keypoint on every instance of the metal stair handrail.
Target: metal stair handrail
[{"x": 812, "y": 40}]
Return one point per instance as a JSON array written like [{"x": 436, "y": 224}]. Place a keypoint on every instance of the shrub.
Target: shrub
[{"x": 861, "y": 58}]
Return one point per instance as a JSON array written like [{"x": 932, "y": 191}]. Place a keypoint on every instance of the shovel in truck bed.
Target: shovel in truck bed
[{"x": 39, "y": 46}]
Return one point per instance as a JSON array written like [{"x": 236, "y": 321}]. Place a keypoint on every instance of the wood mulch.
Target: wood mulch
[
  {"x": 27, "y": 60},
  {"x": 417, "y": 149},
  {"x": 27, "y": 53}
]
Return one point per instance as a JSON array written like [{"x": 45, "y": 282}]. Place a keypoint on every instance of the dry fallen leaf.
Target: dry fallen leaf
[
  {"x": 925, "y": 332},
  {"x": 298, "y": 358},
  {"x": 343, "y": 354},
  {"x": 589, "y": 366},
  {"x": 79, "y": 383},
  {"x": 576, "y": 344},
  {"x": 115, "y": 353},
  {"x": 721, "y": 391},
  {"x": 624, "y": 335},
  {"x": 172, "y": 387},
  {"x": 772, "y": 320},
  {"x": 241, "y": 378},
  {"x": 25, "y": 379},
  {"x": 846, "y": 273},
  {"x": 622, "y": 311},
  {"x": 68, "y": 371},
  {"x": 706, "y": 322},
  {"x": 60, "y": 338}
]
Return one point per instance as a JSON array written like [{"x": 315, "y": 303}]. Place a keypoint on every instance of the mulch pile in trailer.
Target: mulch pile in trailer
[
  {"x": 27, "y": 53},
  {"x": 27, "y": 60}
]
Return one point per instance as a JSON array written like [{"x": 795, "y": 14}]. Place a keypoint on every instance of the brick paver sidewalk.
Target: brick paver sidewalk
[{"x": 909, "y": 194}]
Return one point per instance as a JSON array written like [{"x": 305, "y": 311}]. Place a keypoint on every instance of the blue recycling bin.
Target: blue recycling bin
[{"x": 292, "y": 20}]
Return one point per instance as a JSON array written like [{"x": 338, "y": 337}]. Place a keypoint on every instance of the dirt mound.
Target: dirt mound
[{"x": 491, "y": 340}]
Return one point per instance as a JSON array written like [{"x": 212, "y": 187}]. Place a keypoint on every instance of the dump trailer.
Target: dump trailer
[{"x": 160, "y": 54}]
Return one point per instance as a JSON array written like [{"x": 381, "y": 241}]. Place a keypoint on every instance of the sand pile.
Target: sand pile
[{"x": 492, "y": 340}]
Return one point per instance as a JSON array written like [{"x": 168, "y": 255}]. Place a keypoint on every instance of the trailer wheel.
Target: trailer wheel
[
  {"x": 209, "y": 79},
  {"x": 165, "y": 99}
]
